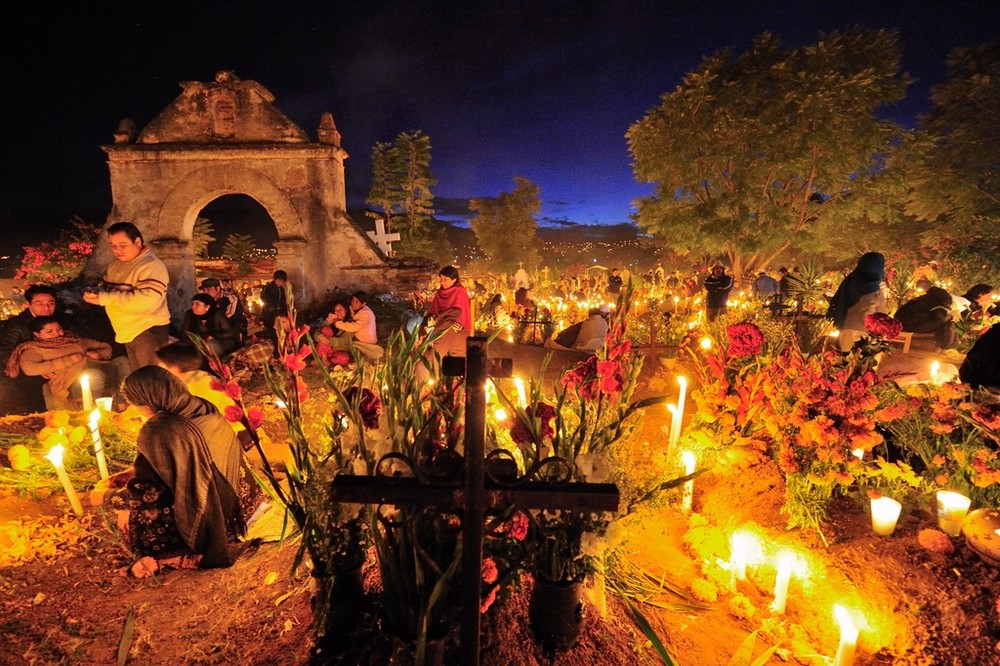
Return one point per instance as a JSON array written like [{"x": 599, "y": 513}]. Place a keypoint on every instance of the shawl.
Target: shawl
[
  {"x": 454, "y": 296},
  {"x": 866, "y": 278},
  {"x": 157, "y": 388},
  {"x": 13, "y": 368}
]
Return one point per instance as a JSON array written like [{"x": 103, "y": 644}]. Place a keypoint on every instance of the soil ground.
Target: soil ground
[{"x": 71, "y": 604}]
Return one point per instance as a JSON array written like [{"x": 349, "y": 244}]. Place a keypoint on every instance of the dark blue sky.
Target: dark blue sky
[{"x": 541, "y": 89}]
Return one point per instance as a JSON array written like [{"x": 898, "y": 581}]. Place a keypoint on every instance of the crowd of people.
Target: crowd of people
[{"x": 189, "y": 493}]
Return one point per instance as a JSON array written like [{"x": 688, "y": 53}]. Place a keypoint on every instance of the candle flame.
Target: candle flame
[
  {"x": 682, "y": 380},
  {"x": 844, "y": 621},
  {"x": 705, "y": 343},
  {"x": 55, "y": 455},
  {"x": 689, "y": 462},
  {"x": 500, "y": 414},
  {"x": 95, "y": 418}
]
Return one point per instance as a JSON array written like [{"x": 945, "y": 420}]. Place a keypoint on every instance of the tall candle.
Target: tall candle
[
  {"x": 848, "y": 637},
  {"x": 55, "y": 456},
  {"x": 786, "y": 561},
  {"x": 688, "y": 497},
  {"x": 683, "y": 382},
  {"x": 88, "y": 397},
  {"x": 95, "y": 433},
  {"x": 672, "y": 441},
  {"x": 951, "y": 510},
  {"x": 522, "y": 397},
  {"x": 740, "y": 544},
  {"x": 935, "y": 367},
  {"x": 885, "y": 513}
]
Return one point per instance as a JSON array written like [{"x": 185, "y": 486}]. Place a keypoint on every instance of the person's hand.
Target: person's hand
[
  {"x": 50, "y": 375},
  {"x": 94, "y": 355},
  {"x": 92, "y": 297},
  {"x": 77, "y": 357}
]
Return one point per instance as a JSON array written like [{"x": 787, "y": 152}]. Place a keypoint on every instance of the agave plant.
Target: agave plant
[{"x": 806, "y": 286}]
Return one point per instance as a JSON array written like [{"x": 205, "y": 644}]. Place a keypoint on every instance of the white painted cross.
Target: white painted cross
[{"x": 382, "y": 239}]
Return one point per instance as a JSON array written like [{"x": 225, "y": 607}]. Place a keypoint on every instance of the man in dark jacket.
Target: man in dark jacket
[
  {"x": 273, "y": 297},
  {"x": 717, "y": 288}
]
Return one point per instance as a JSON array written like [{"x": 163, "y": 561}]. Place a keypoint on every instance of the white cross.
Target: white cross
[{"x": 382, "y": 239}]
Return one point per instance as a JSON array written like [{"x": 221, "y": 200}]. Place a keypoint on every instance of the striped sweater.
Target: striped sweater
[{"x": 135, "y": 295}]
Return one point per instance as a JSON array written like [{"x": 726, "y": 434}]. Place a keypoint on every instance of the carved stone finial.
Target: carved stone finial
[
  {"x": 126, "y": 131},
  {"x": 327, "y": 131},
  {"x": 225, "y": 76}
]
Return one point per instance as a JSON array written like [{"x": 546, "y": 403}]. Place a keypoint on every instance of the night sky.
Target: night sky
[{"x": 545, "y": 90}]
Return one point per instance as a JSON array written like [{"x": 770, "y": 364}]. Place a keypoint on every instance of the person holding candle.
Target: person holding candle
[
  {"x": 190, "y": 489},
  {"x": 56, "y": 357}
]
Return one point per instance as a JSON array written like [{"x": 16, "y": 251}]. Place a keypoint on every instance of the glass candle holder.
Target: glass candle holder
[
  {"x": 885, "y": 513},
  {"x": 951, "y": 510}
]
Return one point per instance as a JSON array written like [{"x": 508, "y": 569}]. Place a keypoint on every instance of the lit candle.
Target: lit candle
[
  {"x": 522, "y": 397},
  {"x": 935, "y": 366},
  {"x": 55, "y": 456},
  {"x": 676, "y": 423},
  {"x": 672, "y": 441},
  {"x": 885, "y": 513},
  {"x": 705, "y": 343},
  {"x": 95, "y": 433},
  {"x": 848, "y": 637},
  {"x": 688, "y": 496},
  {"x": 951, "y": 510},
  {"x": 786, "y": 561},
  {"x": 500, "y": 414},
  {"x": 741, "y": 544},
  {"x": 104, "y": 404},
  {"x": 88, "y": 397}
]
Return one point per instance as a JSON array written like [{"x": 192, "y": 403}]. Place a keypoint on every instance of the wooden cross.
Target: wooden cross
[
  {"x": 383, "y": 239},
  {"x": 478, "y": 494}
]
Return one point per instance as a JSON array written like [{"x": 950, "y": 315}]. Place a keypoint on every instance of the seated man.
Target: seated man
[
  {"x": 585, "y": 336},
  {"x": 929, "y": 318},
  {"x": 206, "y": 320},
  {"x": 230, "y": 304}
]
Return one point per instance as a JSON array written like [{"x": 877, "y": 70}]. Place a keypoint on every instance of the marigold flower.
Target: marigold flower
[
  {"x": 745, "y": 339},
  {"x": 935, "y": 541}
]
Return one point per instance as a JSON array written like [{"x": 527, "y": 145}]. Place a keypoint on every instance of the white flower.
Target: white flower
[{"x": 594, "y": 467}]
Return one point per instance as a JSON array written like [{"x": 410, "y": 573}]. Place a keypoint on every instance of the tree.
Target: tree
[
  {"x": 201, "y": 237},
  {"x": 952, "y": 167},
  {"x": 751, "y": 151},
  {"x": 505, "y": 227},
  {"x": 239, "y": 248},
  {"x": 401, "y": 191}
]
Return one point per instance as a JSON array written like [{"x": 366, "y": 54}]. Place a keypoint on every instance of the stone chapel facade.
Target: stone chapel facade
[{"x": 226, "y": 137}]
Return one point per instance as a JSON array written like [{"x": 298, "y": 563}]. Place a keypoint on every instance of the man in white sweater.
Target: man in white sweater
[{"x": 134, "y": 293}]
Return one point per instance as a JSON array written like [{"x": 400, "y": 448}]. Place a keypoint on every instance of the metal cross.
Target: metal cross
[{"x": 479, "y": 494}]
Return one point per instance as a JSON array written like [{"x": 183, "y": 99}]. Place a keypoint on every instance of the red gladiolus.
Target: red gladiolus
[
  {"x": 217, "y": 385},
  {"x": 233, "y": 414},
  {"x": 233, "y": 390},
  {"x": 370, "y": 407},
  {"x": 255, "y": 417}
]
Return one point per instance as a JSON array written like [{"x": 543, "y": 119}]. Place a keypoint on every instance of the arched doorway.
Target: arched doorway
[{"x": 224, "y": 138}]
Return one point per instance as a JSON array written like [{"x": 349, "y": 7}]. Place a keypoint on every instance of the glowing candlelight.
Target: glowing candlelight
[
  {"x": 86, "y": 394},
  {"x": 951, "y": 510},
  {"x": 500, "y": 414},
  {"x": 858, "y": 453},
  {"x": 786, "y": 561},
  {"x": 104, "y": 404},
  {"x": 848, "y": 637},
  {"x": 279, "y": 403},
  {"x": 55, "y": 456},
  {"x": 705, "y": 343},
  {"x": 95, "y": 434},
  {"x": 935, "y": 367},
  {"x": 743, "y": 547},
  {"x": 522, "y": 396},
  {"x": 671, "y": 441},
  {"x": 688, "y": 497},
  {"x": 885, "y": 513},
  {"x": 678, "y": 417}
]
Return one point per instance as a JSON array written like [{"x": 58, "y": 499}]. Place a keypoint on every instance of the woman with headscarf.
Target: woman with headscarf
[
  {"x": 929, "y": 318},
  {"x": 209, "y": 322},
  {"x": 452, "y": 314},
  {"x": 858, "y": 295},
  {"x": 184, "y": 497}
]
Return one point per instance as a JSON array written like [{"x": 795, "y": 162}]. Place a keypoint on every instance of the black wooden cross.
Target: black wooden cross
[{"x": 479, "y": 494}]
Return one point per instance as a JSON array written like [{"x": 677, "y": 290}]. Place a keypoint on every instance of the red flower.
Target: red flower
[
  {"x": 233, "y": 414},
  {"x": 233, "y": 390},
  {"x": 296, "y": 362},
  {"x": 745, "y": 339},
  {"x": 255, "y": 417},
  {"x": 370, "y": 407},
  {"x": 882, "y": 325},
  {"x": 327, "y": 331},
  {"x": 612, "y": 376},
  {"x": 518, "y": 526},
  {"x": 541, "y": 411},
  {"x": 217, "y": 385}
]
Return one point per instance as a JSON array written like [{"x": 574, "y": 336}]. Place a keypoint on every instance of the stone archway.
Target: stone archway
[{"x": 226, "y": 137}]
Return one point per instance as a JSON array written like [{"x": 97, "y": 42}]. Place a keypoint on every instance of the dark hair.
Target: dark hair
[
  {"x": 128, "y": 229},
  {"x": 449, "y": 271},
  {"x": 203, "y": 298},
  {"x": 35, "y": 289},
  {"x": 280, "y": 275},
  {"x": 38, "y": 323},
  {"x": 180, "y": 355},
  {"x": 977, "y": 290},
  {"x": 361, "y": 296}
]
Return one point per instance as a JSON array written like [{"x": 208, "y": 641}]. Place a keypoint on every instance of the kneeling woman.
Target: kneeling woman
[{"x": 185, "y": 495}]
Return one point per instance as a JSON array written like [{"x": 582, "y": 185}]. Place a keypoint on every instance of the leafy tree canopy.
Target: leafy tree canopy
[
  {"x": 752, "y": 150},
  {"x": 505, "y": 227}
]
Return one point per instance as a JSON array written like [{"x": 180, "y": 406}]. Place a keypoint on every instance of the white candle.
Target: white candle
[
  {"x": 951, "y": 510},
  {"x": 104, "y": 404},
  {"x": 675, "y": 425},
  {"x": 95, "y": 434},
  {"x": 672, "y": 441},
  {"x": 55, "y": 456},
  {"x": 688, "y": 497},
  {"x": 740, "y": 544},
  {"x": 848, "y": 637},
  {"x": 786, "y": 561},
  {"x": 88, "y": 397},
  {"x": 885, "y": 513},
  {"x": 935, "y": 366}
]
